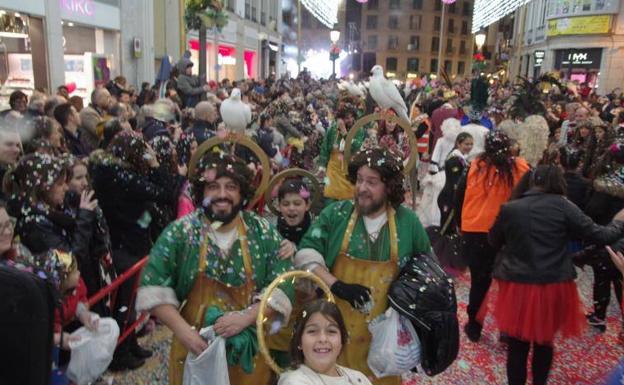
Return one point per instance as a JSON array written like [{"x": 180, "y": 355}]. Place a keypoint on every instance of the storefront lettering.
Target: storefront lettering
[{"x": 80, "y": 7}]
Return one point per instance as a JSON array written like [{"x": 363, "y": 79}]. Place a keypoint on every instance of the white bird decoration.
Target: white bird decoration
[
  {"x": 351, "y": 88},
  {"x": 235, "y": 113},
  {"x": 385, "y": 93}
]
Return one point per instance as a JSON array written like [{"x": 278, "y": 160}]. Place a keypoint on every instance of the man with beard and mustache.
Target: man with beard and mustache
[
  {"x": 217, "y": 260},
  {"x": 358, "y": 247}
]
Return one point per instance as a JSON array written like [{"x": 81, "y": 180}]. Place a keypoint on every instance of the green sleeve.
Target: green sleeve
[
  {"x": 272, "y": 266},
  {"x": 162, "y": 264},
  {"x": 327, "y": 145},
  {"x": 326, "y": 233},
  {"x": 413, "y": 238}
]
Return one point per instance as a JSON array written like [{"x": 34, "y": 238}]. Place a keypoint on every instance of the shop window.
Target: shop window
[{"x": 391, "y": 64}]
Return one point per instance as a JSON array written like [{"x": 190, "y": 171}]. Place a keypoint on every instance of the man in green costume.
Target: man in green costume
[
  {"x": 216, "y": 261},
  {"x": 358, "y": 247}
]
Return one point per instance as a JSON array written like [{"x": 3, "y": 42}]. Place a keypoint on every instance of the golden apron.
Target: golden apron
[
  {"x": 338, "y": 186},
  {"x": 375, "y": 275},
  {"x": 208, "y": 292}
]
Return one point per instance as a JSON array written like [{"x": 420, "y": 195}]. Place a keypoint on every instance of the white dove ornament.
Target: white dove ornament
[
  {"x": 235, "y": 113},
  {"x": 385, "y": 93}
]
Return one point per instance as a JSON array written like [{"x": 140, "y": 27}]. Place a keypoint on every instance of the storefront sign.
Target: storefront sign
[
  {"x": 538, "y": 56},
  {"x": 587, "y": 58},
  {"x": 80, "y": 7},
  {"x": 226, "y": 60},
  {"x": 584, "y": 25}
]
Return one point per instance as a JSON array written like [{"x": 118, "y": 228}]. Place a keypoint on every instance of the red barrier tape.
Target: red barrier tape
[{"x": 111, "y": 290}]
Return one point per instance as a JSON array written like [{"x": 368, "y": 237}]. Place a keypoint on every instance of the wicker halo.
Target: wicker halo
[
  {"x": 265, "y": 300},
  {"x": 316, "y": 187},
  {"x": 243, "y": 141},
  {"x": 404, "y": 124}
]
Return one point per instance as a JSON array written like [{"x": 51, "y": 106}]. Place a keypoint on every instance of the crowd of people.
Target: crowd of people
[{"x": 516, "y": 184}]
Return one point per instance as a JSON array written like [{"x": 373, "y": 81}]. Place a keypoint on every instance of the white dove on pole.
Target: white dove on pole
[
  {"x": 235, "y": 113},
  {"x": 385, "y": 93}
]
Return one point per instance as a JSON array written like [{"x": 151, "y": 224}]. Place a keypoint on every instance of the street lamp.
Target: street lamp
[
  {"x": 480, "y": 39},
  {"x": 334, "y": 36}
]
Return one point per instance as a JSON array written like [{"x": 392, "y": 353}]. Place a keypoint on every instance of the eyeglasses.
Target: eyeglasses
[{"x": 8, "y": 226}]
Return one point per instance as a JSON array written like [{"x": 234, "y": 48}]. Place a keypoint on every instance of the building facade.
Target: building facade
[
  {"x": 404, "y": 37},
  {"x": 247, "y": 47},
  {"x": 583, "y": 41},
  {"x": 80, "y": 43}
]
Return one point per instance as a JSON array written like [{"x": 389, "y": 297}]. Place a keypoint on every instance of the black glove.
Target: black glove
[{"x": 356, "y": 295}]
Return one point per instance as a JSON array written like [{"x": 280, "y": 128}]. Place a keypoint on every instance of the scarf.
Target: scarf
[{"x": 293, "y": 233}]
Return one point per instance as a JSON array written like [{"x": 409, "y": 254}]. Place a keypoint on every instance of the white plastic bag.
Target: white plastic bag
[
  {"x": 395, "y": 347},
  {"x": 93, "y": 352},
  {"x": 210, "y": 367}
]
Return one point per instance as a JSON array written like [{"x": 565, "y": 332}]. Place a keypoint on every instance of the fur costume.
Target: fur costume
[{"x": 531, "y": 135}]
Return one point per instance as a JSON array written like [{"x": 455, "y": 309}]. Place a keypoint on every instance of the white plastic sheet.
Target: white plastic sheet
[
  {"x": 93, "y": 352},
  {"x": 395, "y": 347},
  {"x": 210, "y": 367}
]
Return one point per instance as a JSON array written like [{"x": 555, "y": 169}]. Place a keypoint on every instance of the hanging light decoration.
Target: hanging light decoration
[
  {"x": 326, "y": 11},
  {"x": 448, "y": 1},
  {"x": 362, "y": 1}
]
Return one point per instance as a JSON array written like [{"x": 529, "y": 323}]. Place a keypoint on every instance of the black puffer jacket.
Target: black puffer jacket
[
  {"x": 126, "y": 198},
  {"x": 532, "y": 233}
]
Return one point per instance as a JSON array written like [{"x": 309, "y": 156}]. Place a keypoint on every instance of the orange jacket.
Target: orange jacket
[{"x": 485, "y": 193}]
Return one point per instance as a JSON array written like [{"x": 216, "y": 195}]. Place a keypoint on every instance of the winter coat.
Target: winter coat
[
  {"x": 203, "y": 130},
  {"x": 532, "y": 235},
  {"x": 90, "y": 117},
  {"x": 188, "y": 86},
  {"x": 126, "y": 198}
]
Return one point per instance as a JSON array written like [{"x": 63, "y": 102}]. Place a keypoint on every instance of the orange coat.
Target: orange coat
[{"x": 485, "y": 193}]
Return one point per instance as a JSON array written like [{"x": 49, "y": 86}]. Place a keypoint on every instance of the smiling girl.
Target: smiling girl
[{"x": 319, "y": 337}]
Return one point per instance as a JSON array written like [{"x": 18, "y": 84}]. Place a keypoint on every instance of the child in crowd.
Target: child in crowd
[
  {"x": 317, "y": 342},
  {"x": 294, "y": 207}
]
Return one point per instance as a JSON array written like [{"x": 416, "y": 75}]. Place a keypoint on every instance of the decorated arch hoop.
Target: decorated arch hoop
[
  {"x": 261, "y": 319},
  {"x": 407, "y": 128},
  {"x": 290, "y": 172},
  {"x": 235, "y": 138}
]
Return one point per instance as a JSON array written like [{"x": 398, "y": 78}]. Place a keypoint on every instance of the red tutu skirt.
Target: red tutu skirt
[{"x": 536, "y": 312}]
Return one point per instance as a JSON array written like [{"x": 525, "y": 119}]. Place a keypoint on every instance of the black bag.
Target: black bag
[
  {"x": 425, "y": 294},
  {"x": 26, "y": 328}
]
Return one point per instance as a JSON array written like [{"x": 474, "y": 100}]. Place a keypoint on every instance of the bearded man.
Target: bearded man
[
  {"x": 358, "y": 248},
  {"x": 217, "y": 260}
]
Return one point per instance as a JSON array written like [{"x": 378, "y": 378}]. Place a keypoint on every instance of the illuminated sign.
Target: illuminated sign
[
  {"x": 80, "y": 7},
  {"x": 579, "y": 57},
  {"x": 539, "y": 58},
  {"x": 584, "y": 25},
  {"x": 226, "y": 60},
  {"x": 487, "y": 12}
]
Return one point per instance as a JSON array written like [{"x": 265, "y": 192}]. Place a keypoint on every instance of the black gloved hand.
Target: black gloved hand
[{"x": 356, "y": 295}]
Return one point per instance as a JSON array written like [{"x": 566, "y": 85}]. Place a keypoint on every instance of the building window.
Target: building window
[
  {"x": 452, "y": 8},
  {"x": 372, "y": 42},
  {"x": 436, "y": 23},
  {"x": 393, "y": 22},
  {"x": 449, "y": 45},
  {"x": 231, "y": 5},
  {"x": 415, "y": 22},
  {"x": 438, "y": 5},
  {"x": 373, "y": 4},
  {"x": 254, "y": 12},
  {"x": 448, "y": 66},
  {"x": 412, "y": 64},
  {"x": 247, "y": 9},
  {"x": 451, "y": 26},
  {"x": 434, "y": 65},
  {"x": 462, "y": 47},
  {"x": 414, "y": 42},
  {"x": 393, "y": 42},
  {"x": 464, "y": 30},
  {"x": 435, "y": 44},
  {"x": 461, "y": 68},
  {"x": 467, "y": 10},
  {"x": 391, "y": 64},
  {"x": 417, "y": 4},
  {"x": 395, "y": 4},
  {"x": 371, "y": 22}
]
